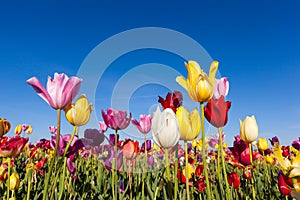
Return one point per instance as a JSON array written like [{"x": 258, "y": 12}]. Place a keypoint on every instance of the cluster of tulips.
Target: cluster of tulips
[{"x": 177, "y": 164}]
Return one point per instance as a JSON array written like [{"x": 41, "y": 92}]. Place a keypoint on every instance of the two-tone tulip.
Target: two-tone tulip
[
  {"x": 4, "y": 126},
  {"x": 165, "y": 128},
  {"x": 144, "y": 125},
  {"x": 249, "y": 129},
  {"x": 189, "y": 123},
  {"x": 199, "y": 86},
  {"x": 221, "y": 88},
  {"x": 78, "y": 114}
]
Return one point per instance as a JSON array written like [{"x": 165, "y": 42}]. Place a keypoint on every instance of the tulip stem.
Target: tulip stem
[
  {"x": 115, "y": 166},
  {"x": 186, "y": 171},
  {"x": 144, "y": 168},
  {"x": 228, "y": 192},
  {"x": 176, "y": 172},
  {"x": 251, "y": 162},
  {"x": 8, "y": 175},
  {"x": 167, "y": 165},
  {"x": 45, "y": 193},
  {"x": 203, "y": 152}
]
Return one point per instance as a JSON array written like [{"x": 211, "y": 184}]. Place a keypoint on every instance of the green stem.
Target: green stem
[
  {"x": 251, "y": 162},
  {"x": 45, "y": 193},
  {"x": 228, "y": 192},
  {"x": 144, "y": 168},
  {"x": 29, "y": 177},
  {"x": 176, "y": 172},
  {"x": 167, "y": 165},
  {"x": 186, "y": 171},
  {"x": 115, "y": 161},
  {"x": 8, "y": 175},
  {"x": 204, "y": 153}
]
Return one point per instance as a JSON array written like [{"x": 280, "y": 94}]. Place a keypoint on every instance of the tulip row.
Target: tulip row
[{"x": 203, "y": 168}]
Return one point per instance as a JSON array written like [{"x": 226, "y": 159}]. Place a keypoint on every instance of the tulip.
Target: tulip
[
  {"x": 14, "y": 181},
  {"x": 233, "y": 179},
  {"x": 18, "y": 129},
  {"x": 78, "y": 114},
  {"x": 12, "y": 147},
  {"x": 262, "y": 144},
  {"x": 103, "y": 127},
  {"x": 216, "y": 112},
  {"x": 296, "y": 144},
  {"x": 189, "y": 123},
  {"x": 199, "y": 86},
  {"x": 52, "y": 129},
  {"x": 60, "y": 91},
  {"x": 116, "y": 119},
  {"x": 28, "y": 130},
  {"x": 144, "y": 125},
  {"x": 285, "y": 184},
  {"x": 249, "y": 129},
  {"x": 172, "y": 101},
  {"x": 165, "y": 129},
  {"x": 75, "y": 145},
  {"x": 274, "y": 140},
  {"x": 92, "y": 138},
  {"x": 221, "y": 88},
  {"x": 130, "y": 149},
  {"x": 4, "y": 126}
]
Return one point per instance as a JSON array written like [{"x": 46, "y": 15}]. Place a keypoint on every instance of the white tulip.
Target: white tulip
[{"x": 249, "y": 129}]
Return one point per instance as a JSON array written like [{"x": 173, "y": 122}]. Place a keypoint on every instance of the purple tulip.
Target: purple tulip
[
  {"x": 144, "y": 125},
  {"x": 70, "y": 165},
  {"x": 63, "y": 141},
  {"x": 52, "y": 129},
  {"x": 116, "y": 119},
  {"x": 296, "y": 144},
  {"x": 214, "y": 140},
  {"x": 92, "y": 138},
  {"x": 111, "y": 155},
  {"x": 221, "y": 88},
  {"x": 148, "y": 146},
  {"x": 274, "y": 140},
  {"x": 60, "y": 91},
  {"x": 151, "y": 160}
]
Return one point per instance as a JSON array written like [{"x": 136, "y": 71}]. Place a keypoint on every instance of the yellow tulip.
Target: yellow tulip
[
  {"x": 199, "y": 86},
  {"x": 4, "y": 126},
  {"x": 249, "y": 129},
  {"x": 18, "y": 129},
  {"x": 14, "y": 181},
  {"x": 262, "y": 144},
  {"x": 78, "y": 114},
  {"x": 189, "y": 123},
  {"x": 29, "y": 130},
  {"x": 269, "y": 159}
]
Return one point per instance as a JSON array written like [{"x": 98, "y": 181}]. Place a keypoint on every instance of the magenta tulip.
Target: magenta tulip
[
  {"x": 116, "y": 119},
  {"x": 221, "y": 88},
  {"x": 60, "y": 91},
  {"x": 12, "y": 146},
  {"x": 144, "y": 125}
]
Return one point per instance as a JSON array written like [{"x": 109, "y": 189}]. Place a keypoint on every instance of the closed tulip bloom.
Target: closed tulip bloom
[
  {"x": 165, "y": 129},
  {"x": 249, "y": 129},
  {"x": 262, "y": 144},
  {"x": 14, "y": 181},
  {"x": 189, "y": 123},
  {"x": 116, "y": 119},
  {"x": 221, "y": 88},
  {"x": 18, "y": 129},
  {"x": 4, "y": 126},
  {"x": 199, "y": 86},
  {"x": 216, "y": 112},
  {"x": 78, "y": 114},
  {"x": 60, "y": 91},
  {"x": 144, "y": 125},
  {"x": 28, "y": 130},
  {"x": 234, "y": 179},
  {"x": 130, "y": 149}
]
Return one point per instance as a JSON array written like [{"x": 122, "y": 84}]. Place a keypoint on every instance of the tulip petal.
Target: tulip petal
[
  {"x": 40, "y": 90},
  {"x": 182, "y": 81},
  {"x": 212, "y": 71}
]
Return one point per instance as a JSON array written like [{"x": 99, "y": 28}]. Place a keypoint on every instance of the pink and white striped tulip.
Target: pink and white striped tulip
[
  {"x": 144, "y": 125},
  {"x": 221, "y": 88}
]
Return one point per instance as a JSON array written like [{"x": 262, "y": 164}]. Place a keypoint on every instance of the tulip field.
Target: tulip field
[{"x": 181, "y": 162}]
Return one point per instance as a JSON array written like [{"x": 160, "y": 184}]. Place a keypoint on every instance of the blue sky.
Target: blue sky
[{"x": 256, "y": 42}]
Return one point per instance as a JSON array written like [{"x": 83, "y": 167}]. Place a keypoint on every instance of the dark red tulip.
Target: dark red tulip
[
  {"x": 216, "y": 111},
  {"x": 234, "y": 179},
  {"x": 200, "y": 185},
  {"x": 12, "y": 146},
  {"x": 199, "y": 170},
  {"x": 172, "y": 101}
]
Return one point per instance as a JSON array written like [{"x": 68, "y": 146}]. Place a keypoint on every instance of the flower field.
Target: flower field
[{"x": 181, "y": 162}]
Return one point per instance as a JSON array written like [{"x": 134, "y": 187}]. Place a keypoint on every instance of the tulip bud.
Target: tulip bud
[
  {"x": 130, "y": 149},
  {"x": 233, "y": 179},
  {"x": 165, "y": 129},
  {"x": 249, "y": 129},
  {"x": 18, "y": 129},
  {"x": 14, "y": 181},
  {"x": 29, "y": 130},
  {"x": 78, "y": 114},
  {"x": 262, "y": 144}
]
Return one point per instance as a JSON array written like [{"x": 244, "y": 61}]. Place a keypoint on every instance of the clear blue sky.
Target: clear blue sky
[{"x": 256, "y": 42}]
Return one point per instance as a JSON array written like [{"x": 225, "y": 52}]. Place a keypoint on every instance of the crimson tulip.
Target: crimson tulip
[
  {"x": 172, "y": 101},
  {"x": 12, "y": 146},
  {"x": 216, "y": 111},
  {"x": 233, "y": 179},
  {"x": 285, "y": 184}
]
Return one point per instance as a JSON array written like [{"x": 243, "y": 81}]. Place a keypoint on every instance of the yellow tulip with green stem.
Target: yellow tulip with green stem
[{"x": 200, "y": 88}]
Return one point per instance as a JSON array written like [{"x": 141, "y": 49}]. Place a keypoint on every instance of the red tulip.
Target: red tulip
[
  {"x": 12, "y": 147},
  {"x": 172, "y": 101},
  {"x": 200, "y": 185},
  {"x": 233, "y": 179},
  {"x": 199, "y": 170},
  {"x": 285, "y": 184},
  {"x": 216, "y": 111}
]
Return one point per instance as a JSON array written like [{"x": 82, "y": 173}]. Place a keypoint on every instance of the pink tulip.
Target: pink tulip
[
  {"x": 60, "y": 91},
  {"x": 116, "y": 119},
  {"x": 221, "y": 88},
  {"x": 103, "y": 127},
  {"x": 144, "y": 125}
]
